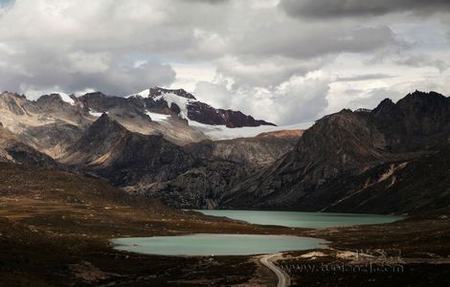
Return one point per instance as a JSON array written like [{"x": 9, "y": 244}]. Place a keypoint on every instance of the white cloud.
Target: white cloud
[
  {"x": 246, "y": 55},
  {"x": 215, "y": 94},
  {"x": 188, "y": 75},
  {"x": 265, "y": 72},
  {"x": 299, "y": 99}
]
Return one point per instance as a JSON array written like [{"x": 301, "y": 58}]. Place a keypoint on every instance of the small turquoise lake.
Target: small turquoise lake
[{"x": 216, "y": 244}]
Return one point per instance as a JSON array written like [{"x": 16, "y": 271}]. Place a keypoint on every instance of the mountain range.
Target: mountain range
[{"x": 165, "y": 144}]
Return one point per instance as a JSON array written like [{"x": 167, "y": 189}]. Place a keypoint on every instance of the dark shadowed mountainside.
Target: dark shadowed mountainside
[{"x": 343, "y": 147}]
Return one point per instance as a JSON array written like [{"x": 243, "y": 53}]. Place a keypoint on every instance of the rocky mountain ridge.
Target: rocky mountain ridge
[
  {"x": 187, "y": 106},
  {"x": 347, "y": 146},
  {"x": 53, "y": 121},
  {"x": 154, "y": 143}
]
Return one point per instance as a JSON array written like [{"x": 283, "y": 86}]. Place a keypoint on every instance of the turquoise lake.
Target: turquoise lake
[
  {"x": 302, "y": 219},
  {"x": 216, "y": 244}
]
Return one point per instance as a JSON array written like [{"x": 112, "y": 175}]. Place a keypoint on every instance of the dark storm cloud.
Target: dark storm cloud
[
  {"x": 349, "y": 8},
  {"x": 41, "y": 69},
  {"x": 316, "y": 40}
]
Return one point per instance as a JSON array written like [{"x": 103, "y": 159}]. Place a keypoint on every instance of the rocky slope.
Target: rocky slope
[
  {"x": 218, "y": 166},
  {"x": 125, "y": 158},
  {"x": 185, "y": 177},
  {"x": 419, "y": 185},
  {"x": 255, "y": 151},
  {"x": 49, "y": 124},
  {"x": 14, "y": 151},
  {"x": 349, "y": 145}
]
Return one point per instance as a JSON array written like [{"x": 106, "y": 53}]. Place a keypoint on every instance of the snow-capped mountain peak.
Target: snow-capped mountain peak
[
  {"x": 187, "y": 107},
  {"x": 157, "y": 91}
]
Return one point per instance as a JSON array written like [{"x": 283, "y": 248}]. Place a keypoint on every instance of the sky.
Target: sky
[{"x": 285, "y": 61}]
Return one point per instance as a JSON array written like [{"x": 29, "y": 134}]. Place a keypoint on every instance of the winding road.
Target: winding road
[{"x": 283, "y": 278}]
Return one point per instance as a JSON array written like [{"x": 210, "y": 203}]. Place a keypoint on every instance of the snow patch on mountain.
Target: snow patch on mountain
[
  {"x": 66, "y": 98},
  {"x": 169, "y": 98},
  {"x": 181, "y": 102},
  {"x": 220, "y": 132},
  {"x": 144, "y": 94},
  {"x": 95, "y": 114},
  {"x": 157, "y": 117}
]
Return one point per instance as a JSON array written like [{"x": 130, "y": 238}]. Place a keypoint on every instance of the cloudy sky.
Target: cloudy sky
[{"x": 287, "y": 61}]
